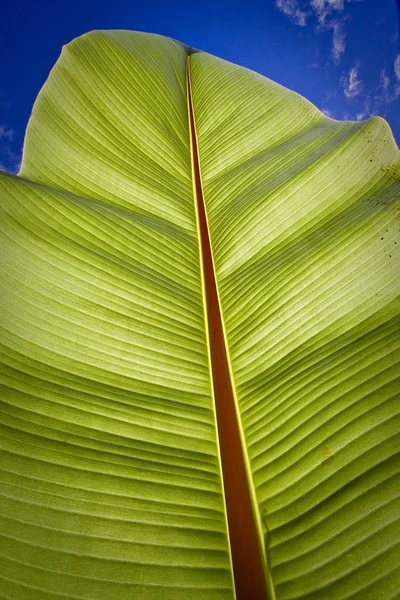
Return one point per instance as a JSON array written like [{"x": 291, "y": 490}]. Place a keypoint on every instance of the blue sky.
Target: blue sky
[{"x": 343, "y": 55}]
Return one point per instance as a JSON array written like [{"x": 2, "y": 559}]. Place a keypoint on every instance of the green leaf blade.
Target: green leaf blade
[
  {"x": 303, "y": 218},
  {"x": 111, "y": 124},
  {"x": 110, "y": 471}
]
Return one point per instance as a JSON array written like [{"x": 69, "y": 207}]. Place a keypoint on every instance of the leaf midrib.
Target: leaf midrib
[{"x": 249, "y": 563}]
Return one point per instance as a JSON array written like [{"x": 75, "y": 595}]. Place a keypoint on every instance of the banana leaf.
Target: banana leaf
[{"x": 111, "y": 472}]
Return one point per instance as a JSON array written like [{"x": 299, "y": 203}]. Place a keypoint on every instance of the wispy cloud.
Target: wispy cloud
[
  {"x": 377, "y": 99},
  {"x": 396, "y": 67},
  {"x": 338, "y": 40},
  {"x": 366, "y": 111},
  {"x": 9, "y": 160},
  {"x": 388, "y": 89},
  {"x": 291, "y": 9},
  {"x": 6, "y": 132},
  {"x": 324, "y": 8},
  {"x": 327, "y": 15},
  {"x": 352, "y": 85},
  {"x": 384, "y": 80}
]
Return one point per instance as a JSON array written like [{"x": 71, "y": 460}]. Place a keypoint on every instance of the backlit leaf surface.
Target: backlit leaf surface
[{"x": 110, "y": 472}]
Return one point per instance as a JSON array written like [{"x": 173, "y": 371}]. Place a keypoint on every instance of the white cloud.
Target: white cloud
[
  {"x": 366, "y": 111},
  {"x": 367, "y": 106},
  {"x": 384, "y": 80},
  {"x": 329, "y": 15},
  {"x": 396, "y": 66},
  {"x": 388, "y": 90},
  {"x": 6, "y": 132},
  {"x": 338, "y": 42},
  {"x": 360, "y": 116},
  {"x": 352, "y": 86},
  {"x": 327, "y": 112},
  {"x": 368, "y": 102},
  {"x": 292, "y": 10},
  {"x": 377, "y": 99},
  {"x": 9, "y": 161},
  {"x": 324, "y": 8}
]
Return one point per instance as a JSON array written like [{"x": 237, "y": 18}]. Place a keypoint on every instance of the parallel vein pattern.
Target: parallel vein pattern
[
  {"x": 110, "y": 478},
  {"x": 304, "y": 225},
  {"x": 109, "y": 466}
]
